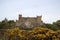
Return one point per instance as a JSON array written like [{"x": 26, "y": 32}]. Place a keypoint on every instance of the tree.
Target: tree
[
  {"x": 57, "y": 24},
  {"x": 5, "y": 24},
  {"x": 11, "y": 24}
]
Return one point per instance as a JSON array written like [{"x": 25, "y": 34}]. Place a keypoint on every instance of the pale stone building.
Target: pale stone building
[{"x": 29, "y": 22}]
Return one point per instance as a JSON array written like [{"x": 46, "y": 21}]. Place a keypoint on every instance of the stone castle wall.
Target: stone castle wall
[{"x": 28, "y": 21}]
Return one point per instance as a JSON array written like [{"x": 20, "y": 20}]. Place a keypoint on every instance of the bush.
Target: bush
[{"x": 35, "y": 34}]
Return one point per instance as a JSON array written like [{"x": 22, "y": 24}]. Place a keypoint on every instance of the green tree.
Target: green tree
[
  {"x": 11, "y": 23},
  {"x": 5, "y": 24},
  {"x": 51, "y": 26},
  {"x": 57, "y": 24}
]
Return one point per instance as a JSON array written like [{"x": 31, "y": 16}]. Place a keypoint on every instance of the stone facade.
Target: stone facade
[{"x": 29, "y": 22}]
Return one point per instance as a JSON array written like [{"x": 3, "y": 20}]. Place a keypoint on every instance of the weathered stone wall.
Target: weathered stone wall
[{"x": 28, "y": 21}]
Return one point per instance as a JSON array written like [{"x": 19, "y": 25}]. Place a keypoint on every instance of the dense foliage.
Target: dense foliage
[
  {"x": 8, "y": 31},
  {"x": 37, "y": 33},
  {"x": 5, "y": 24},
  {"x": 54, "y": 25}
]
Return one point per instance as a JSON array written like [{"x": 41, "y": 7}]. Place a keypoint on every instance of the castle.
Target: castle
[{"x": 29, "y": 22}]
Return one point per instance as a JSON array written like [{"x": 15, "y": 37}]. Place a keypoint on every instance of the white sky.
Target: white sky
[{"x": 49, "y": 9}]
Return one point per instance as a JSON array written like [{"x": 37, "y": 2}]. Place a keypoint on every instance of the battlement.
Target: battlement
[{"x": 20, "y": 16}]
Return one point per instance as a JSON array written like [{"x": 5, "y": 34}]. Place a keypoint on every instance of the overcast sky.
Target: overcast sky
[{"x": 49, "y": 9}]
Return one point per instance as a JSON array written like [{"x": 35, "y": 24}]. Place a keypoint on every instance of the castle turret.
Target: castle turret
[
  {"x": 39, "y": 20},
  {"x": 20, "y": 16}
]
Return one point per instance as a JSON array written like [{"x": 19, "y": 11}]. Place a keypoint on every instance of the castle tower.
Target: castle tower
[
  {"x": 39, "y": 20},
  {"x": 20, "y": 16}
]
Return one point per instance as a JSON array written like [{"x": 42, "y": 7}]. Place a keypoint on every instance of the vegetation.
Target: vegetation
[
  {"x": 5, "y": 24},
  {"x": 8, "y": 31},
  {"x": 54, "y": 25},
  {"x": 37, "y": 33}
]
